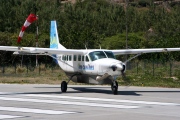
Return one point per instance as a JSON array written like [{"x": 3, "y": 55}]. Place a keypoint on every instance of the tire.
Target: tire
[
  {"x": 114, "y": 88},
  {"x": 116, "y": 84},
  {"x": 63, "y": 86}
]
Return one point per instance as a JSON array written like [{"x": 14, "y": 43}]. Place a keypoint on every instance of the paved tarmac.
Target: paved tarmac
[{"x": 46, "y": 102}]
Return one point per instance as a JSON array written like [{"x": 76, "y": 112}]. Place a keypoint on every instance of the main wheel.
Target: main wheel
[{"x": 64, "y": 86}]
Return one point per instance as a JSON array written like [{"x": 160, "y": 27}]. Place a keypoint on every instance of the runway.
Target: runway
[{"x": 87, "y": 102}]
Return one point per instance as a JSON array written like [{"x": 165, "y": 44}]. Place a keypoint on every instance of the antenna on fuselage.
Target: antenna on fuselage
[
  {"x": 85, "y": 47},
  {"x": 99, "y": 46}
]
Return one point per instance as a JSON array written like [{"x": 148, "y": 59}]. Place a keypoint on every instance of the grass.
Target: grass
[
  {"x": 38, "y": 75},
  {"x": 153, "y": 75},
  {"x": 140, "y": 74},
  {"x": 150, "y": 81}
]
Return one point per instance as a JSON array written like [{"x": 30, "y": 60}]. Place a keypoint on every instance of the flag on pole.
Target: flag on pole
[{"x": 31, "y": 18}]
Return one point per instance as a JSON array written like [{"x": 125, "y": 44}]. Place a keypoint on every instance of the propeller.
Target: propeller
[
  {"x": 121, "y": 67},
  {"x": 114, "y": 67}
]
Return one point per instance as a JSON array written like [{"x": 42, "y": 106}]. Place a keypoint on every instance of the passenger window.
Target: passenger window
[
  {"x": 75, "y": 57},
  {"x": 67, "y": 57},
  {"x": 59, "y": 57},
  {"x": 63, "y": 57},
  {"x": 82, "y": 58},
  {"x": 79, "y": 57},
  {"x": 87, "y": 59},
  {"x": 70, "y": 58}
]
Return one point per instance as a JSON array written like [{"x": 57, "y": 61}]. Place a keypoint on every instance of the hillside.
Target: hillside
[
  {"x": 138, "y": 3},
  {"x": 158, "y": 2}
]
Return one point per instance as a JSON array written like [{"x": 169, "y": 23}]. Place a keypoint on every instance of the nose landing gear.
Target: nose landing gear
[{"x": 114, "y": 87}]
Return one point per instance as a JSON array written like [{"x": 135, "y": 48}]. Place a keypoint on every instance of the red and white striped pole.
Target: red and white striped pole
[{"x": 37, "y": 41}]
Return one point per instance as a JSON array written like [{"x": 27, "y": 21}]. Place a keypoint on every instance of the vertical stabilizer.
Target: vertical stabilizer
[{"x": 54, "y": 39}]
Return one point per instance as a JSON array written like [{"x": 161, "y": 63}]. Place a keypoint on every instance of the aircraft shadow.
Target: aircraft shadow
[
  {"x": 107, "y": 90},
  {"x": 103, "y": 90},
  {"x": 93, "y": 90},
  {"x": 100, "y": 90}
]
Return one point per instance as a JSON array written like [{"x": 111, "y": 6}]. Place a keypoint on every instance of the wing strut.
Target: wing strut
[{"x": 133, "y": 57}]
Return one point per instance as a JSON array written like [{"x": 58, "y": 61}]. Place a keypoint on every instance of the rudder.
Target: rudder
[{"x": 54, "y": 39}]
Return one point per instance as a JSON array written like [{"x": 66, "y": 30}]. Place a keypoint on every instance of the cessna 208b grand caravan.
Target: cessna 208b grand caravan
[{"x": 93, "y": 66}]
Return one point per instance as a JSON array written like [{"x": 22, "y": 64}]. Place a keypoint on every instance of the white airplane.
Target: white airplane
[{"x": 93, "y": 66}]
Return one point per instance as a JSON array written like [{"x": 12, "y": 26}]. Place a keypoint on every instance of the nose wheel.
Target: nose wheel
[
  {"x": 114, "y": 87},
  {"x": 64, "y": 86}
]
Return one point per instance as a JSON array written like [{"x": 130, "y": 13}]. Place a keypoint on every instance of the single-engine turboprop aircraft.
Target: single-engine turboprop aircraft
[{"x": 94, "y": 66}]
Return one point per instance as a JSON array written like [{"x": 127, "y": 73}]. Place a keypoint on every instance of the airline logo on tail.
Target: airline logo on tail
[{"x": 54, "y": 40}]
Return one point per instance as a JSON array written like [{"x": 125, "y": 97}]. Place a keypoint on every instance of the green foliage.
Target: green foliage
[
  {"x": 135, "y": 40},
  {"x": 144, "y": 3},
  {"x": 90, "y": 23}
]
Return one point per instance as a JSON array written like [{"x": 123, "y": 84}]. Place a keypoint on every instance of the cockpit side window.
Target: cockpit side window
[
  {"x": 109, "y": 54},
  {"x": 83, "y": 58},
  {"x": 97, "y": 55},
  {"x": 87, "y": 59}
]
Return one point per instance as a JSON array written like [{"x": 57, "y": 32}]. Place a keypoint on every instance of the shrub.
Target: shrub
[
  {"x": 143, "y": 3},
  {"x": 20, "y": 69}
]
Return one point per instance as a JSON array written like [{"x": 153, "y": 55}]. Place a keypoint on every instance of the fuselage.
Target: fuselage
[{"x": 90, "y": 65}]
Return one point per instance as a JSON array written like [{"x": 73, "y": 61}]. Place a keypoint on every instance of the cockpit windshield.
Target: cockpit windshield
[
  {"x": 100, "y": 54},
  {"x": 109, "y": 54},
  {"x": 97, "y": 55}
]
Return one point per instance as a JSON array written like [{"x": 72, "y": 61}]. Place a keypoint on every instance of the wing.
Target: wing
[
  {"x": 141, "y": 51},
  {"x": 34, "y": 50}
]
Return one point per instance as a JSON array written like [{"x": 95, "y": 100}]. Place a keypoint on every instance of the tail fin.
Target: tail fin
[{"x": 54, "y": 39}]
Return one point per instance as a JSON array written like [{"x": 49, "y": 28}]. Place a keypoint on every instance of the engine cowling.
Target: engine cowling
[{"x": 119, "y": 66}]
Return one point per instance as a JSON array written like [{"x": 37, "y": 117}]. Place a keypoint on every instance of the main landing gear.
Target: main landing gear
[
  {"x": 64, "y": 86},
  {"x": 114, "y": 87}
]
